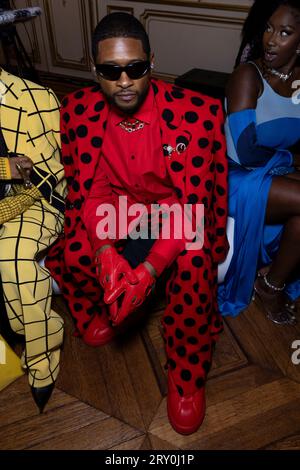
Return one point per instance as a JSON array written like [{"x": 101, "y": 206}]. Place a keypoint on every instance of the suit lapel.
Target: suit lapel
[
  {"x": 13, "y": 116},
  {"x": 175, "y": 138},
  {"x": 89, "y": 148}
]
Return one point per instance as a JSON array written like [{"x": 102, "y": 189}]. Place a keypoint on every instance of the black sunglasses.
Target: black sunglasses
[{"x": 134, "y": 71}]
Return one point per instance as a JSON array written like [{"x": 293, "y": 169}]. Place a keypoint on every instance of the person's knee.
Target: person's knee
[
  {"x": 8, "y": 248},
  {"x": 292, "y": 227},
  {"x": 15, "y": 257}
]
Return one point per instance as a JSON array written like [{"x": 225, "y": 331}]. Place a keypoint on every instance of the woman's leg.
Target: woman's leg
[{"x": 283, "y": 207}]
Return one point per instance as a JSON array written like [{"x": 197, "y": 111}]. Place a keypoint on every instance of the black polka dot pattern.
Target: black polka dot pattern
[
  {"x": 79, "y": 109},
  {"x": 86, "y": 158},
  {"x": 186, "y": 375},
  {"x": 72, "y": 135},
  {"x": 176, "y": 167},
  {"x": 96, "y": 142},
  {"x": 168, "y": 115},
  {"x": 214, "y": 109},
  {"x": 179, "y": 333},
  {"x": 168, "y": 97},
  {"x": 66, "y": 117},
  {"x": 185, "y": 275},
  {"x": 195, "y": 180},
  {"x": 203, "y": 142},
  {"x": 177, "y": 93},
  {"x": 198, "y": 175},
  {"x": 197, "y": 261},
  {"x": 82, "y": 131},
  {"x": 99, "y": 106},
  {"x": 79, "y": 94},
  {"x": 181, "y": 351},
  {"x": 76, "y": 246},
  {"x": 94, "y": 118},
  {"x": 197, "y": 162},
  {"x": 197, "y": 101},
  {"x": 191, "y": 117}
]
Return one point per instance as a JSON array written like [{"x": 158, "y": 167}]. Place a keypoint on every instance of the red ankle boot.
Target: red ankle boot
[
  {"x": 99, "y": 331},
  {"x": 186, "y": 413}
]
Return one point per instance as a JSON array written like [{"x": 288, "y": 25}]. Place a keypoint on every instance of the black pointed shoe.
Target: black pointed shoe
[{"x": 41, "y": 395}]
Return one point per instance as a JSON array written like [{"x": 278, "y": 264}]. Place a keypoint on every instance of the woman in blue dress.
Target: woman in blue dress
[{"x": 262, "y": 131}]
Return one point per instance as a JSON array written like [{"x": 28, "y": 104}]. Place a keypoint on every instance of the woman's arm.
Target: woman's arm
[{"x": 243, "y": 89}]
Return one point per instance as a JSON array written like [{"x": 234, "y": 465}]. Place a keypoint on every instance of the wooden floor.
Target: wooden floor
[{"x": 114, "y": 397}]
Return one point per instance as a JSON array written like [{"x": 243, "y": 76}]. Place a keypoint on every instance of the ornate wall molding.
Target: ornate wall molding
[
  {"x": 199, "y": 4},
  {"x": 94, "y": 13},
  {"x": 36, "y": 56},
  {"x": 111, "y": 8},
  {"x": 189, "y": 16},
  {"x": 57, "y": 60},
  {"x": 218, "y": 25}
]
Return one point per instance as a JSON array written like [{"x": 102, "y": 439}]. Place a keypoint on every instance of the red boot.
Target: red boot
[
  {"x": 186, "y": 413},
  {"x": 99, "y": 331}
]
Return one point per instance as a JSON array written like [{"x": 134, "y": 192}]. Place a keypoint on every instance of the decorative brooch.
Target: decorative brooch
[{"x": 179, "y": 149}]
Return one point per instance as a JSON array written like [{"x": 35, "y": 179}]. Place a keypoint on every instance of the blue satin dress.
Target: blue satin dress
[{"x": 258, "y": 141}]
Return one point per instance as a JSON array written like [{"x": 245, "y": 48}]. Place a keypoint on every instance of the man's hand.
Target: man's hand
[
  {"x": 133, "y": 295},
  {"x": 22, "y": 162},
  {"x": 112, "y": 268}
]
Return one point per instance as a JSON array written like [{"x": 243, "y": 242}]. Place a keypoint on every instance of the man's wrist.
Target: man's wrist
[
  {"x": 100, "y": 250},
  {"x": 150, "y": 268}
]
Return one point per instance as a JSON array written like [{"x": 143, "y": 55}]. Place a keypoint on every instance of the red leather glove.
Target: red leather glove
[
  {"x": 112, "y": 268},
  {"x": 134, "y": 294}
]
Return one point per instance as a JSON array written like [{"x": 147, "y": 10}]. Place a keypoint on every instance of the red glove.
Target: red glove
[
  {"x": 112, "y": 268},
  {"x": 134, "y": 294}
]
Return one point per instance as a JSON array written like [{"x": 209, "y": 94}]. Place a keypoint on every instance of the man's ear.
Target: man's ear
[
  {"x": 93, "y": 68},
  {"x": 152, "y": 61}
]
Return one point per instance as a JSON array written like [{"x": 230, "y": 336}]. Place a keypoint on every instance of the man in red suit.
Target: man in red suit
[{"x": 143, "y": 141}]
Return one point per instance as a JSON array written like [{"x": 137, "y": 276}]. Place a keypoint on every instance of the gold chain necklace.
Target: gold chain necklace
[{"x": 132, "y": 126}]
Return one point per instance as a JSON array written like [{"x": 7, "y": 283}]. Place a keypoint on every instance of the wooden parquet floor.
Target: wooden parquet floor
[{"x": 114, "y": 397}]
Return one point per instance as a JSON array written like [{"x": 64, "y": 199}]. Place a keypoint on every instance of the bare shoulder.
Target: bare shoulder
[
  {"x": 297, "y": 73},
  {"x": 243, "y": 88}
]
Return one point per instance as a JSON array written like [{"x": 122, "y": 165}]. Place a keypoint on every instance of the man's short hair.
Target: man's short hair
[{"x": 120, "y": 25}]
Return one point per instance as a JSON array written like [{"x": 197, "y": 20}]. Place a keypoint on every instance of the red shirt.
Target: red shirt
[
  {"x": 133, "y": 165},
  {"x": 134, "y": 162}
]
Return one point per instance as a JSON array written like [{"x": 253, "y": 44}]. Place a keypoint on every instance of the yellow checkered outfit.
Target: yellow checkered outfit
[{"x": 31, "y": 220}]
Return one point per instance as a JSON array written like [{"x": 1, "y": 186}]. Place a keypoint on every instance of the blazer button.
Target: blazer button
[{"x": 71, "y": 206}]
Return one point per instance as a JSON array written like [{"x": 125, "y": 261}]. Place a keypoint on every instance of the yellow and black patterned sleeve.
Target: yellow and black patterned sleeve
[
  {"x": 18, "y": 202},
  {"x": 43, "y": 144},
  {"x": 5, "y": 173}
]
